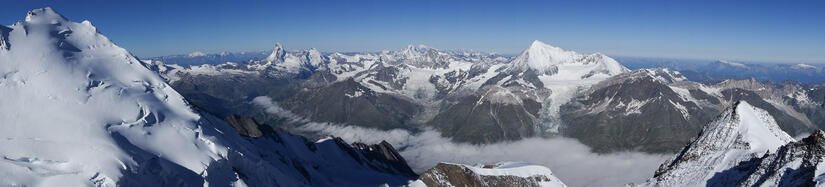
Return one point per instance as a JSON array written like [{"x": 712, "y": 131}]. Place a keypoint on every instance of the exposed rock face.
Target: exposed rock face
[
  {"x": 497, "y": 115},
  {"x": 4, "y": 35},
  {"x": 351, "y": 103},
  {"x": 245, "y": 126},
  {"x": 327, "y": 161},
  {"x": 503, "y": 174},
  {"x": 383, "y": 153}
]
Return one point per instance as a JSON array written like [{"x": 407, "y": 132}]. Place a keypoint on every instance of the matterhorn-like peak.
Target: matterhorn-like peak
[{"x": 277, "y": 54}]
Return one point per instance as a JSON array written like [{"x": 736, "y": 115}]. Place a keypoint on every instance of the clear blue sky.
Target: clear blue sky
[{"x": 768, "y": 31}]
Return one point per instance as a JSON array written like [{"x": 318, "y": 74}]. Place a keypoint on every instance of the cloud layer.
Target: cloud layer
[{"x": 571, "y": 161}]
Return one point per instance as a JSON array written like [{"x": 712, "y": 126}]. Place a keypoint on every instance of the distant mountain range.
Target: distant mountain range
[
  {"x": 706, "y": 71},
  {"x": 200, "y": 58},
  {"x": 486, "y": 98},
  {"x": 716, "y": 71}
]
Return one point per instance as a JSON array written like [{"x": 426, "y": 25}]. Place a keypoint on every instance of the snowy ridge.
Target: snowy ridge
[
  {"x": 795, "y": 164},
  {"x": 740, "y": 133}
]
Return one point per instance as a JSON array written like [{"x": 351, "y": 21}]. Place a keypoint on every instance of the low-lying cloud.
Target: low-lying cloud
[
  {"x": 272, "y": 107},
  {"x": 570, "y": 160}
]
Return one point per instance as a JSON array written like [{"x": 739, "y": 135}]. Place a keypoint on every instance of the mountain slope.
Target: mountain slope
[
  {"x": 740, "y": 133},
  {"x": 77, "y": 110},
  {"x": 795, "y": 164},
  {"x": 639, "y": 110},
  {"x": 523, "y": 97}
]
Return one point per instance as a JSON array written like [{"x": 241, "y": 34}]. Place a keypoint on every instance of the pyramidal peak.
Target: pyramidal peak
[
  {"x": 541, "y": 55},
  {"x": 277, "y": 54},
  {"x": 548, "y": 59}
]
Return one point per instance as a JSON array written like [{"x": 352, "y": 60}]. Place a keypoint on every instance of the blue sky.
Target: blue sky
[{"x": 766, "y": 31}]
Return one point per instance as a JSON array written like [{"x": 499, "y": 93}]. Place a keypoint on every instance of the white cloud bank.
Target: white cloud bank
[{"x": 571, "y": 161}]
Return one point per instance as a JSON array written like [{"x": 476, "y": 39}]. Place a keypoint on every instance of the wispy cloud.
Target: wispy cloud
[
  {"x": 571, "y": 161},
  {"x": 272, "y": 107}
]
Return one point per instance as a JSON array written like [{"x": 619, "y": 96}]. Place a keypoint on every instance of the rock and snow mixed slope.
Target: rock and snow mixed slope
[
  {"x": 739, "y": 134},
  {"x": 501, "y": 174},
  {"x": 641, "y": 109},
  {"x": 77, "y": 110},
  {"x": 795, "y": 164},
  {"x": 638, "y": 110}
]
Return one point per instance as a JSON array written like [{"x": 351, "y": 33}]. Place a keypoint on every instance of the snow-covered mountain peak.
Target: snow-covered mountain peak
[
  {"x": 103, "y": 104},
  {"x": 195, "y": 54},
  {"x": 412, "y": 51},
  {"x": 541, "y": 56},
  {"x": 803, "y": 66},
  {"x": 539, "y": 45},
  {"x": 740, "y": 133},
  {"x": 743, "y": 127},
  {"x": 759, "y": 128},
  {"x": 731, "y": 63},
  {"x": 278, "y": 53},
  {"x": 314, "y": 57},
  {"x": 47, "y": 15},
  {"x": 77, "y": 110},
  {"x": 548, "y": 60},
  {"x": 419, "y": 56}
]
